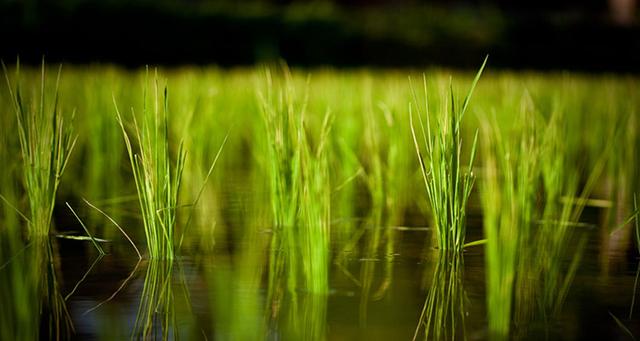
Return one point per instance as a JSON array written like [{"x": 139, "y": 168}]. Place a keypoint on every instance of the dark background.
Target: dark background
[{"x": 588, "y": 35}]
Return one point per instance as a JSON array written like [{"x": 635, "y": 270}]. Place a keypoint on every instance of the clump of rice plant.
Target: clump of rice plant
[
  {"x": 156, "y": 176},
  {"x": 447, "y": 181},
  {"x": 529, "y": 231},
  {"x": 508, "y": 200},
  {"x": 46, "y": 141},
  {"x": 298, "y": 172},
  {"x": 542, "y": 279}
]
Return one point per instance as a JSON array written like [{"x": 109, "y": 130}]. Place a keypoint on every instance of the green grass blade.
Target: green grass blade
[{"x": 93, "y": 241}]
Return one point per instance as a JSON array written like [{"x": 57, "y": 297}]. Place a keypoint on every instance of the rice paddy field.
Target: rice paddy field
[{"x": 279, "y": 203}]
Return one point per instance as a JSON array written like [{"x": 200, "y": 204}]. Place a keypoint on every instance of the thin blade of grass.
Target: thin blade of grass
[
  {"x": 116, "y": 224},
  {"x": 98, "y": 247},
  {"x": 622, "y": 326}
]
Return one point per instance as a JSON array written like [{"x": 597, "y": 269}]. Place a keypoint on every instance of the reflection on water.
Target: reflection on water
[
  {"x": 156, "y": 316},
  {"x": 444, "y": 312},
  {"x": 234, "y": 287},
  {"x": 374, "y": 289},
  {"x": 226, "y": 296},
  {"x": 298, "y": 317},
  {"x": 32, "y": 305},
  {"x": 293, "y": 314}
]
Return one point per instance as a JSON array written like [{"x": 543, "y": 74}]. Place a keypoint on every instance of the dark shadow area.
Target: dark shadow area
[{"x": 568, "y": 35}]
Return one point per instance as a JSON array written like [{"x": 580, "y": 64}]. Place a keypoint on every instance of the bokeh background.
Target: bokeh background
[{"x": 581, "y": 35}]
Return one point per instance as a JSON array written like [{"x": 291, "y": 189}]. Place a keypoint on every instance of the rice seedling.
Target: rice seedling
[
  {"x": 558, "y": 235},
  {"x": 46, "y": 140},
  {"x": 526, "y": 238},
  {"x": 157, "y": 178},
  {"x": 323, "y": 186},
  {"x": 300, "y": 189},
  {"x": 447, "y": 182},
  {"x": 530, "y": 232},
  {"x": 558, "y": 225},
  {"x": 204, "y": 106},
  {"x": 508, "y": 199}
]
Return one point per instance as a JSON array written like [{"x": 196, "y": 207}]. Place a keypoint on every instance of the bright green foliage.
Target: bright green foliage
[
  {"x": 346, "y": 181},
  {"x": 46, "y": 141},
  {"x": 157, "y": 179},
  {"x": 298, "y": 173},
  {"x": 447, "y": 182},
  {"x": 508, "y": 200},
  {"x": 526, "y": 238}
]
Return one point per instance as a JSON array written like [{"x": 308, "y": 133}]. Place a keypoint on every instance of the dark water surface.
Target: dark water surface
[
  {"x": 224, "y": 296},
  {"x": 223, "y": 293}
]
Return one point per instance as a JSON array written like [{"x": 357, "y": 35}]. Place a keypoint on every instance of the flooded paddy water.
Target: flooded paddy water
[{"x": 225, "y": 296}]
